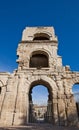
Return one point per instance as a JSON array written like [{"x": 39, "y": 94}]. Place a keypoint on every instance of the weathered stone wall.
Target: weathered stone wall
[
  {"x": 14, "y": 97},
  {"x": 3, "y": 86}
]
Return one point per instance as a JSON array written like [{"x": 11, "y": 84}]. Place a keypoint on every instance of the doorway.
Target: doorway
[{"x": 40, "y": 103}]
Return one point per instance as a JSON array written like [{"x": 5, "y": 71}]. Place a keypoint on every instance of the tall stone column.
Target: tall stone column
[
  {"x": 55, "y": 112},
  {"x": 27, "y": 108},
  {"x": 49, "y": 112},
  {"x": 2, "y": 98},
  {"x": 55, "y": 108},
  {"x": 21, "y": 106},
  {"x": 9, "y": 102},
  {"x": 20, "y": 117},
  {"x": 72, "y": 116},
  {"x": 61, "y": 111}
]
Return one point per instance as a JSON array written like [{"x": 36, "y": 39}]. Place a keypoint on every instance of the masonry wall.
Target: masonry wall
[{"x": 15, "y": 87}]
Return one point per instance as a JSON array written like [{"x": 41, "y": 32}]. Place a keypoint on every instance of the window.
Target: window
[
  {"x": 39, "y": 61},
  {"x": 41, "y": 36}
]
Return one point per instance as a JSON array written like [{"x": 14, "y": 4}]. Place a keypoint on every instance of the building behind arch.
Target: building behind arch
[{"x": 39, "y": 63}]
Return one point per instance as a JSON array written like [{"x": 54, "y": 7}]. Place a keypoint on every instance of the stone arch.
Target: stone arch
[
  {"x": 73, "y": 82},
  {"x": 51, "y": 87},
  {"x": 42, "y": 82},
  {"x": 42, "y": 33},
  {"x": 45, "y": 51},
  {"x": 39, "y": 59},
  {"x": 41, "y": 36},
  {"x": 75, "y": 93},
  {"x": 45, "y": 84},
  {"x": 44, "y": 79}
]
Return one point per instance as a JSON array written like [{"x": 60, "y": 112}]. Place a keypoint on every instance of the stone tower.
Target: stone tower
[{"x": 38, "y": 63}]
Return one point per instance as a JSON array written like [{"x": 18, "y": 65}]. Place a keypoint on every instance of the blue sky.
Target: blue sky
[
  {"x": 75, "y": 90},
  {"x": 15, "y": 15},
  {"x": 40, "y": 95}
]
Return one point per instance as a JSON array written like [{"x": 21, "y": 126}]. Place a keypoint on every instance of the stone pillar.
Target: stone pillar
[
  {"x": 22, "y": 102},
  {"x": 31, "y": 112},
  {"x": 8, "y": 109},
  {"x": 9, "y": 102},
  {"x": 72, "y": 116},
  {"x": 21, "y": 106},
  {"x": 2, "y": 98},
  {"x": 55, "y": 112},
  {"x": 27, "y": 108},
  {"x": 49, "y": 112},
  {"x": 61, "y": 112},
  {"x": 55, "y": 108},
  {"x": 20, "y": 117}
]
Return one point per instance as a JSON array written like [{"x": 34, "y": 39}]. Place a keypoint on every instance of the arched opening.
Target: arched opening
[
  {"x": 75, "y": 90},
  {"x": 39, "y": 60},
  {"x": 40, "y": 103},
  {"x": 41, "y": 36}
]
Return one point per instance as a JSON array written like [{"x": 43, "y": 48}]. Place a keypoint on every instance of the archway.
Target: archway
[
  {"x": 39, "y": 59},
  {"x": 75, "y": 90},
  {"x": 41, "y": 36},
  {"x": 40, "y": 103}
]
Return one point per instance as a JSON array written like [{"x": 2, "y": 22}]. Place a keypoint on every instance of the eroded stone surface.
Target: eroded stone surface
[{"x": 14, "y": 96}]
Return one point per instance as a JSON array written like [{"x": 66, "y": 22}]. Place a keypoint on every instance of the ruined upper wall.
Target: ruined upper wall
[
  {"x": 29, "y": 33},
  {"x": 48, "y": 45}
]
